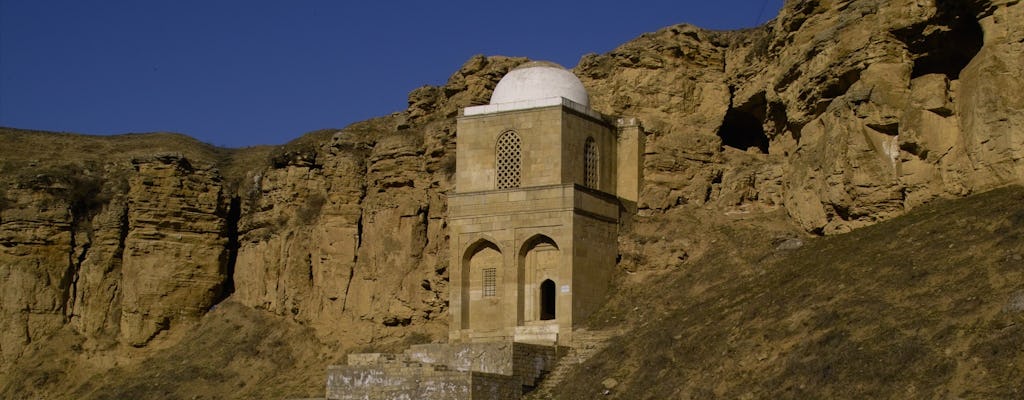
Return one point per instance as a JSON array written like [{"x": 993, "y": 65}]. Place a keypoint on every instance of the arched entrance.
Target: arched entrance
[
  {"x": 547, "y": 300},
  {"x": 481, "y": 287},
  {"x": 540, "y": 260}
]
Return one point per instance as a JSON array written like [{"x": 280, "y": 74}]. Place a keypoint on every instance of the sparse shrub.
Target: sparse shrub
[
  {"x": 298, "y": 155},
  {"x": 73, "y": 185}
]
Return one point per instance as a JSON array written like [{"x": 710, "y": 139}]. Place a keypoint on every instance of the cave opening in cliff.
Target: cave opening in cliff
[
  {"x": 743, "y": 130},
  {"x": 946, "y": 43}
]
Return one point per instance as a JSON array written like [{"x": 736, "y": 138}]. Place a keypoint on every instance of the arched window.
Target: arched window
[
  {"x": 591, "y": 163},
  {"x": 509, "y": 155},
  {"x": 547, "y": 300}
]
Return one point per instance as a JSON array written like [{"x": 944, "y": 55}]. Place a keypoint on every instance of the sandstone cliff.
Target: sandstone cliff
[
  {"x": 838, "y": 114},
  {"x": 842, "y": 112}
]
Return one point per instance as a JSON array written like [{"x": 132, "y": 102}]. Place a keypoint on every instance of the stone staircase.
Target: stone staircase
[{"x": 585, "y": 344}]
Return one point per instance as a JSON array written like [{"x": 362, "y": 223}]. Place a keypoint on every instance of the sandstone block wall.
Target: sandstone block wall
[
  {"x": 518, "y": 223},
  {"x": 629, "y": 160},
  {"x": 443, "y": 371},
  {"x": 530, "y": 362},
  {"x": 424, "y": 382},
  {"x": 493, "y": 357},
  {"x": 552, "y": 148},
  {"x": 523, "y": 360}
]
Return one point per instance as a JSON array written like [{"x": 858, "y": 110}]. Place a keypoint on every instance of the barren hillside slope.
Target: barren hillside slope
[{"x": 927, "y": 305}]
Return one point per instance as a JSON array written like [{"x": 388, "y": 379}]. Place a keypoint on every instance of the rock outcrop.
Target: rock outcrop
[
  {"x": 844, "y": 113},
  {"x": 839, "y": 113},
  {"x": 124, "y": 252},
  {"x": 354, "y": 252},
  {"x": 177, "y": 213}
]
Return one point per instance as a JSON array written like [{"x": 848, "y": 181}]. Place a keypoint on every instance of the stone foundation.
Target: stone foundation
[{"x": 497, "y": 370}]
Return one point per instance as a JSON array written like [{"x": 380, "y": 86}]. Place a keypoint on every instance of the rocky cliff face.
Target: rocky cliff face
[
  {"x": 122, "y": 252},
  {"x": 840, "y": 113}
]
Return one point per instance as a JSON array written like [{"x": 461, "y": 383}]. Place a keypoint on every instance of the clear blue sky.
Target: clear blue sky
[{"x": 239, "y": 73}]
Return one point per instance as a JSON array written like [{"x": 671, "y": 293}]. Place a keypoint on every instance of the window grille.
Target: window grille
[
  {"x": 591, "y": 161},
  {"x": 509, "y": 154},
  {"x": 490, "y": 282}
]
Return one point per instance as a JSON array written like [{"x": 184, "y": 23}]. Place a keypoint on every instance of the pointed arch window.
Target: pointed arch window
[
  {"x": 509, "y": 156},
  {"x": 591, "y": 163}
]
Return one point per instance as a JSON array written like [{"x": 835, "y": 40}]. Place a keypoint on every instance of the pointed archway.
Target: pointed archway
[
  {"x": 481, "y": 286},
  {"x": 539, "y": 259}
]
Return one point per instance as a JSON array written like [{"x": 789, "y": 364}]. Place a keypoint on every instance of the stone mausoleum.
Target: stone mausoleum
[{"x": 542, "y": 183}]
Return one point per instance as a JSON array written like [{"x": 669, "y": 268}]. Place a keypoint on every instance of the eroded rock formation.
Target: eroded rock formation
[
  {"x": 845, "y": 113},
  {"x": 841, "y": 113}
]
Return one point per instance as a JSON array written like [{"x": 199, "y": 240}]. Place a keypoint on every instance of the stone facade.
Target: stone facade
[{"x": 540, "y": 186}]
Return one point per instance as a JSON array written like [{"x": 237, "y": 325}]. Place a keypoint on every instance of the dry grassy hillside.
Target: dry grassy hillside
[
  {"x": 28, "y": 152},
  {"x": 928, "y": 305},
  {"x": 233, "y": 352}
]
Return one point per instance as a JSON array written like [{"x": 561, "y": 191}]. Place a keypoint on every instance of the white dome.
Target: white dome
[{"x": 539, "y": 80}]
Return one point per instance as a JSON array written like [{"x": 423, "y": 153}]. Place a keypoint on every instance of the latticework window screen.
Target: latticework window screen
[
  {"x": 509, "y": 152},
  {"x": 591, "y": 161}
]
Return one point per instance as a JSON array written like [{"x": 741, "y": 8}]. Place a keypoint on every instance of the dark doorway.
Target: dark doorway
[{"x": 547, "y": 300}]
